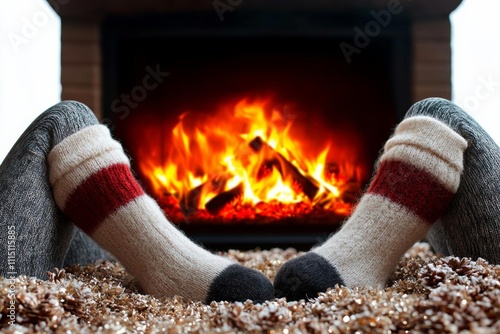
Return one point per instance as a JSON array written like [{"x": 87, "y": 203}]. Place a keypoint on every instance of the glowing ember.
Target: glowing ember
[{"x": 246, "y": 157}]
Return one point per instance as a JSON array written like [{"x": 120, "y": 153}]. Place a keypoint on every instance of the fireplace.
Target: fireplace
[{"x": 258, "y": 126}]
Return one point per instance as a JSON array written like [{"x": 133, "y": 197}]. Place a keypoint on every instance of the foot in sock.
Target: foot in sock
[
  {"x": 93, "y": 185},
  {"x": 417, "y": 176}
]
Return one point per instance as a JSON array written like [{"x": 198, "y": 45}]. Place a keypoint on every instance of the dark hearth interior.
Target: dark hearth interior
[{"x": 282, "y": 57}]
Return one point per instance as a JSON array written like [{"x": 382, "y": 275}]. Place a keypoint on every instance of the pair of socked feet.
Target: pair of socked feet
[
  {"x": 418, "y": 175},
  {"x": 413, "y": 188}
]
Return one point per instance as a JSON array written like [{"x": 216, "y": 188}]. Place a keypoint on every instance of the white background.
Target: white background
[{"x": 30, "y": 64}]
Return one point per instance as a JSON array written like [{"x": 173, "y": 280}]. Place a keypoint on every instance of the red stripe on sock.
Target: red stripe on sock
[
  {"x": 411, "y": 187},
  {"x": 100, "y": 195}
]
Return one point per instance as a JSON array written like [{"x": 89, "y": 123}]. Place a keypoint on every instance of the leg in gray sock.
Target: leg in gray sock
[
  {"x": 470, "y": 226},
  {"x": 42, "y": 232}
]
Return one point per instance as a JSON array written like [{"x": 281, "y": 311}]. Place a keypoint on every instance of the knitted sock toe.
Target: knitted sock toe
[
  {"x": 304, "y": 277},
  {"x": 418, "y": 175},
  {"x": 93, "y": 185},
  {"x": 236, "y": 281}
]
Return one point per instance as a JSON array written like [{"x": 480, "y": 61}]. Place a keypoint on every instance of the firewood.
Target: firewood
[
  {"x": 216, "y": 204},
  {"x": 288, "y": 171},
  {"x": 191, "y": 201}
]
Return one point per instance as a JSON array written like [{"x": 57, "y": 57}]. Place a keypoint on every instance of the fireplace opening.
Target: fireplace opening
[{"x": 252, "y": 134}]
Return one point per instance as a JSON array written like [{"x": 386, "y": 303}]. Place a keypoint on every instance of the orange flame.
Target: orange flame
[{"x": 249, "y": 151}]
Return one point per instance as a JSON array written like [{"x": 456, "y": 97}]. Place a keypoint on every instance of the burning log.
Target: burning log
[
  {"x": 191, "y": 201},
  {"x": 271, "y": 157},
  {"x": 216, "y": 204}
]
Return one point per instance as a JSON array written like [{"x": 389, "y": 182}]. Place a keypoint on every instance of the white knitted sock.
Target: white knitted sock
[
  {"x": 418, "y": 174},
  {"x": 93, "y": 185}
]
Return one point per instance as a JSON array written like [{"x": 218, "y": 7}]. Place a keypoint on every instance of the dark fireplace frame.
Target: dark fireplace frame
[{"x": 247, "y": 24}]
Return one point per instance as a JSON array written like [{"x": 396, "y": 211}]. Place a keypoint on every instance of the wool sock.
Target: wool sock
[
  {"x": 470, "y": 227},
  {"x": 416, "y": 178},
  {"x": 93, "y": 185}
]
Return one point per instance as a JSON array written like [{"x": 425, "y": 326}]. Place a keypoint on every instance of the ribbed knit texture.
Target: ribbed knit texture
[
  {"x": 417, "y": 176},
  {"x": 93, "y": 185}
]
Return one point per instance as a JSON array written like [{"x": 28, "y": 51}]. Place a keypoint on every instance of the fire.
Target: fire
[{"x": 247, "y": 156}]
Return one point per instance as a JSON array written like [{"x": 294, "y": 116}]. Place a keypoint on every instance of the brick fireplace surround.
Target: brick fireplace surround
[{"x": 82, "y": 73}]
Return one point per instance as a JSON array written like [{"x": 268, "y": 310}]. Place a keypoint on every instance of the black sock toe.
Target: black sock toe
[
  {"x": 304, "y": 277},
  {"x": 237, "y": 284}
]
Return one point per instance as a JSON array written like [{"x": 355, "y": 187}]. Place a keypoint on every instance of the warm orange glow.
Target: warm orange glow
[{"x": 247, "y": 155}]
